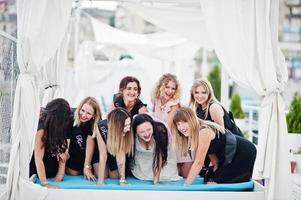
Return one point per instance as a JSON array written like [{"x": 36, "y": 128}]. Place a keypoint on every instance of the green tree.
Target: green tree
[
  {"x": 293, "y": 118},
  {"x": 214, "y": 78},
  {"x": 235, "y": 107}
]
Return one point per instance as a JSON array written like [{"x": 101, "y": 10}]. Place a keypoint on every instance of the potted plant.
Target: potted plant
[
  {"x": 293, "y": 119},
  {"x": 238, "y": 114},
  {"x": 214, "y": 77},
  {"x": 235, "y": 107}
]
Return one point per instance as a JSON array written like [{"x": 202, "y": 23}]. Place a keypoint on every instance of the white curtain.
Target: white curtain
[
  {"x": 41, "y": 28},
  {"x": 186, "y": 21},
  {"x": 245, "y": 39},
  {"x": 54, "y": 72},
  {"x": 161, "y": 45}
]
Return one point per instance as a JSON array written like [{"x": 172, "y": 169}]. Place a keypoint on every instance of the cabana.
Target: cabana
[{"x": 244, "y": 35}]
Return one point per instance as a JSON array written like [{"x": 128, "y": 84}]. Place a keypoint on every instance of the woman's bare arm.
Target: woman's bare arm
[
  {"x": 39, "y": 150},
  {"x": 205, "y": 137},
  {"x": 217, "y": 114},
  {"x": 157, "y": 174},
  {"x": 120, "y": 158},
  {"x": 102, "y": 159},
  {"x": 90, "y": 146},
  {"x": 143, "y": 109},
  {"x": 171, "y": 114}
]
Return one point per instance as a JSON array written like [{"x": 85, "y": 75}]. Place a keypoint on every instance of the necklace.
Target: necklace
[{"x": 146, "y": 145}]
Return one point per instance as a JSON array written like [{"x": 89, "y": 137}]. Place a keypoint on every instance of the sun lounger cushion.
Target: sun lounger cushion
[{"x": 78, "y": 182}]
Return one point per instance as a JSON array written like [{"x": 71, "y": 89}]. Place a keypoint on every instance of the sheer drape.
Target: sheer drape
[
  {"x": 41, "y": 28},
  {"x": 245, "y": 39},
  {"x": 54, "y": 73},
  {"x": 186, "y": 21}
]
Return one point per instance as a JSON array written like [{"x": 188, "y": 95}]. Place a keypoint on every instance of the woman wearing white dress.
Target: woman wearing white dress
[{"x": 153, "y": 157}]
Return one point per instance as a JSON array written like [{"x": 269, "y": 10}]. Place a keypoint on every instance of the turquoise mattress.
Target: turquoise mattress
[{"x": 78, "y": 182}]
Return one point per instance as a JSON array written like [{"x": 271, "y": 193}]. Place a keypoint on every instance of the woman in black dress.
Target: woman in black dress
[
  {"x": 115, "y": 143},
  {"x": 128, "y": 96},
  {"x": 232, "y": 157},
  {"x": 83, "y": 159},
  {"x": 50, "y": 149}
]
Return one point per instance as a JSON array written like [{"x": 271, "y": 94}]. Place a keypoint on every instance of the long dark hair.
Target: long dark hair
[
  {"x": 56, "y": 118},
  {"x": 160, "y": 135}
]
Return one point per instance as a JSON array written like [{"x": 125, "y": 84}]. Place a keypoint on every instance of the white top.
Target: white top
[
  {"x": 161, "y": 111},
  {"x": 143, "y": 165}
]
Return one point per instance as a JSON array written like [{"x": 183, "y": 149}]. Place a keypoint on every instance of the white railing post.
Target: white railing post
[
  {"x": 250, "y": 124},
  {"x": 224, "y": 88}
]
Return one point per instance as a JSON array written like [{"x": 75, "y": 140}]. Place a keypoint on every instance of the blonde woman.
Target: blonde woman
[
  {"x": 232, "y": 157},
  {"x": 207, "y": 107},
  {"x": 82, "y": 139},
  {"x": 166, "y": 98},
  {"x": 115, "y": 144}
]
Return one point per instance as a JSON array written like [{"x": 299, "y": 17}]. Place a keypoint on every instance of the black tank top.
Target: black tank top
[
  {"x": 118, "y": 102},
  {"x": 103, "y": 129},
  {"x": 202, "y": 113}
]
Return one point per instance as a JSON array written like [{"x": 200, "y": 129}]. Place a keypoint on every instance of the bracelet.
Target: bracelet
[
  {"x": 122, "y": 181},
  {"x": 87, "y": 166},
  {"x": 44, "y": 183}
]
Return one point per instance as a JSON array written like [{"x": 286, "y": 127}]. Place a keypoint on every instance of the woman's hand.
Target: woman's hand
[
  {"x": 122, "y": 181},
  {"x": 45, "y": 184},
  {"x": 100, "y": 182},
  {"x": 58, "y": 178},
  {"x": 156, "y": 182},
  {"x": 215, "y": 167},
  {"x": 89, "y": 175},
  {"x": 185, "y": 183},
  {"x": 213, "y": 161},
  {"x": 52, "y": 187},
  {"x": 63, "y": 157}
]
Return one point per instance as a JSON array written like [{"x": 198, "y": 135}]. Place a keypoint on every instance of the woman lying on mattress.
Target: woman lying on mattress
[
  {"x": 115, "y": 144},
  {"x": 232, "y": 157},
  {"x": 153, "y": 158}
]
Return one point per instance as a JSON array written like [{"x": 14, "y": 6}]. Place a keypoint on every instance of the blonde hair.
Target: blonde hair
[
  {"x": 161, "y": 84},
  {"x": 186, "y": 114},
  {"x": 208, "y": 88},
  {"x": 116, "y": 142},
  {"x": 97, "y": 114}
]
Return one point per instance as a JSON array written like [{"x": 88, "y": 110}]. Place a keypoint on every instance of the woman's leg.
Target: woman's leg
[
  {"x": 114, "y": 174},
  {"x": 72, "y": 172},
  {"x": 184, "y": 168},
  {"x": 95, "y": 169}
]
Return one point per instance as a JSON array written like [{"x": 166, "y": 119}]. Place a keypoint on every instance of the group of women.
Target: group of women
[{"x": 170, "y": 142}]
